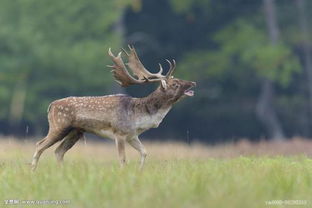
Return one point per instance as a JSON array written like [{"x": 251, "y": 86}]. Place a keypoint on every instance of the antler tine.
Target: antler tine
[
  {"x": 110, "y": 52},
  {"x": 125, "y": 51},
  {"x": 172, "y": 68},
  {"x": 174, "y": 65},
  {"x": 169, "y": 64},
  {"x": 160, "y": 69}
]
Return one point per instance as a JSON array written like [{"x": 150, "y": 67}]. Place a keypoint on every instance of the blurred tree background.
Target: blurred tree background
[{"x": 251, "y": 60}]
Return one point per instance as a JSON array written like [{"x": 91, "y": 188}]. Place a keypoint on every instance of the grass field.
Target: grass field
[{"x": 175, "y": 175}]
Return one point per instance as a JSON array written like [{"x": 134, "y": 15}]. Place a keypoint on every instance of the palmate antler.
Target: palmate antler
[{"x": 124, "y": 78}]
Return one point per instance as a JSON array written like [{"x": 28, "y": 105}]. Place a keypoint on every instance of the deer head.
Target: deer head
[{"x": 172, "y": 88}]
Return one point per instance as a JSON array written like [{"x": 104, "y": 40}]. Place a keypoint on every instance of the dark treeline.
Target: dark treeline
[{"x": 251, "y": 60}]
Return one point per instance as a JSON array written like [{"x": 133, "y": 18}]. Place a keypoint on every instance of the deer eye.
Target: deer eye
[{"x": 174, "y": 85}]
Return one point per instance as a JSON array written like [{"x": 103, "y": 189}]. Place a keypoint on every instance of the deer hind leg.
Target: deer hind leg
[
  {"x": 52, "y": 137},
  {"x": 136, "y": 144},
  {"x": 120, "y": 144},
  {"x": 40, "y": 142},
  {"x": 69, "y": 141}
]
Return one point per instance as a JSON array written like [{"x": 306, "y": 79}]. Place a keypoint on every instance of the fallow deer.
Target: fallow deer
[{"x": 119, "y": 117}]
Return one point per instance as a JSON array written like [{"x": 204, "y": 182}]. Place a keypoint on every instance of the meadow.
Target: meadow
[{"x": 176, "y": 175}]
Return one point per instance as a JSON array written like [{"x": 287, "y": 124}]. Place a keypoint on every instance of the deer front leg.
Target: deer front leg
[
  {"x": 136, "y": 144},
  {"x": 120, "y": 144}
]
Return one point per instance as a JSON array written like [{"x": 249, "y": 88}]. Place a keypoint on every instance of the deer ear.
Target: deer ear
[{"x": 164, "y": 84}]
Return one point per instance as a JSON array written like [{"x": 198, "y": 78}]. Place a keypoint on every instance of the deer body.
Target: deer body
[
  {"x": 119, "y": 117},
  {"x": 107, "y": 115}
]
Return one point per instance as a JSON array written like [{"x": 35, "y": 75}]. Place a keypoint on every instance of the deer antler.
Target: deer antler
[
  {"x": 171, "y": 69},
  {"x": 120, "y": 71},
  {"x": 124, "y": 78},
  {"x": 137, "y": 67}
]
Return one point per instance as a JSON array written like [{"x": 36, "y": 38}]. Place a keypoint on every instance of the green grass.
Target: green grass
[{"x": 237, "y": 182}]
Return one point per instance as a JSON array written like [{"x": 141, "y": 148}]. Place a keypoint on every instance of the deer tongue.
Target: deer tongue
[{"x": 189, "y": 92}]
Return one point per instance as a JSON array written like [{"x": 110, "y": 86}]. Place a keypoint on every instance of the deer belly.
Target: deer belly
[
  {"x": 107, "y": 133},
  {"x": 98, "y": 127}
]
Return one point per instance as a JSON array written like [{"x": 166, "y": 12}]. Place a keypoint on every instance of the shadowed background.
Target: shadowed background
[{"x": 251, "y": 61}]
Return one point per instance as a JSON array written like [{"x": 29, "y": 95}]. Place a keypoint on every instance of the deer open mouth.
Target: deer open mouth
[{"x": 189, "y": 92}]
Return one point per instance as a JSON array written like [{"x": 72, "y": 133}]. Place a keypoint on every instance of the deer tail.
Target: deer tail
[{"x": 49, "y": 108}]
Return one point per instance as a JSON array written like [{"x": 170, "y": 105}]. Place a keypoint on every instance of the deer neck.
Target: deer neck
[
  {"x": 156, "y": 102},
  {"x": 151, "y": 110}
]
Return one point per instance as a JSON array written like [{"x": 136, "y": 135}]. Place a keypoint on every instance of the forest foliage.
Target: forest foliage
[{"x": 54, "y": 49}]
